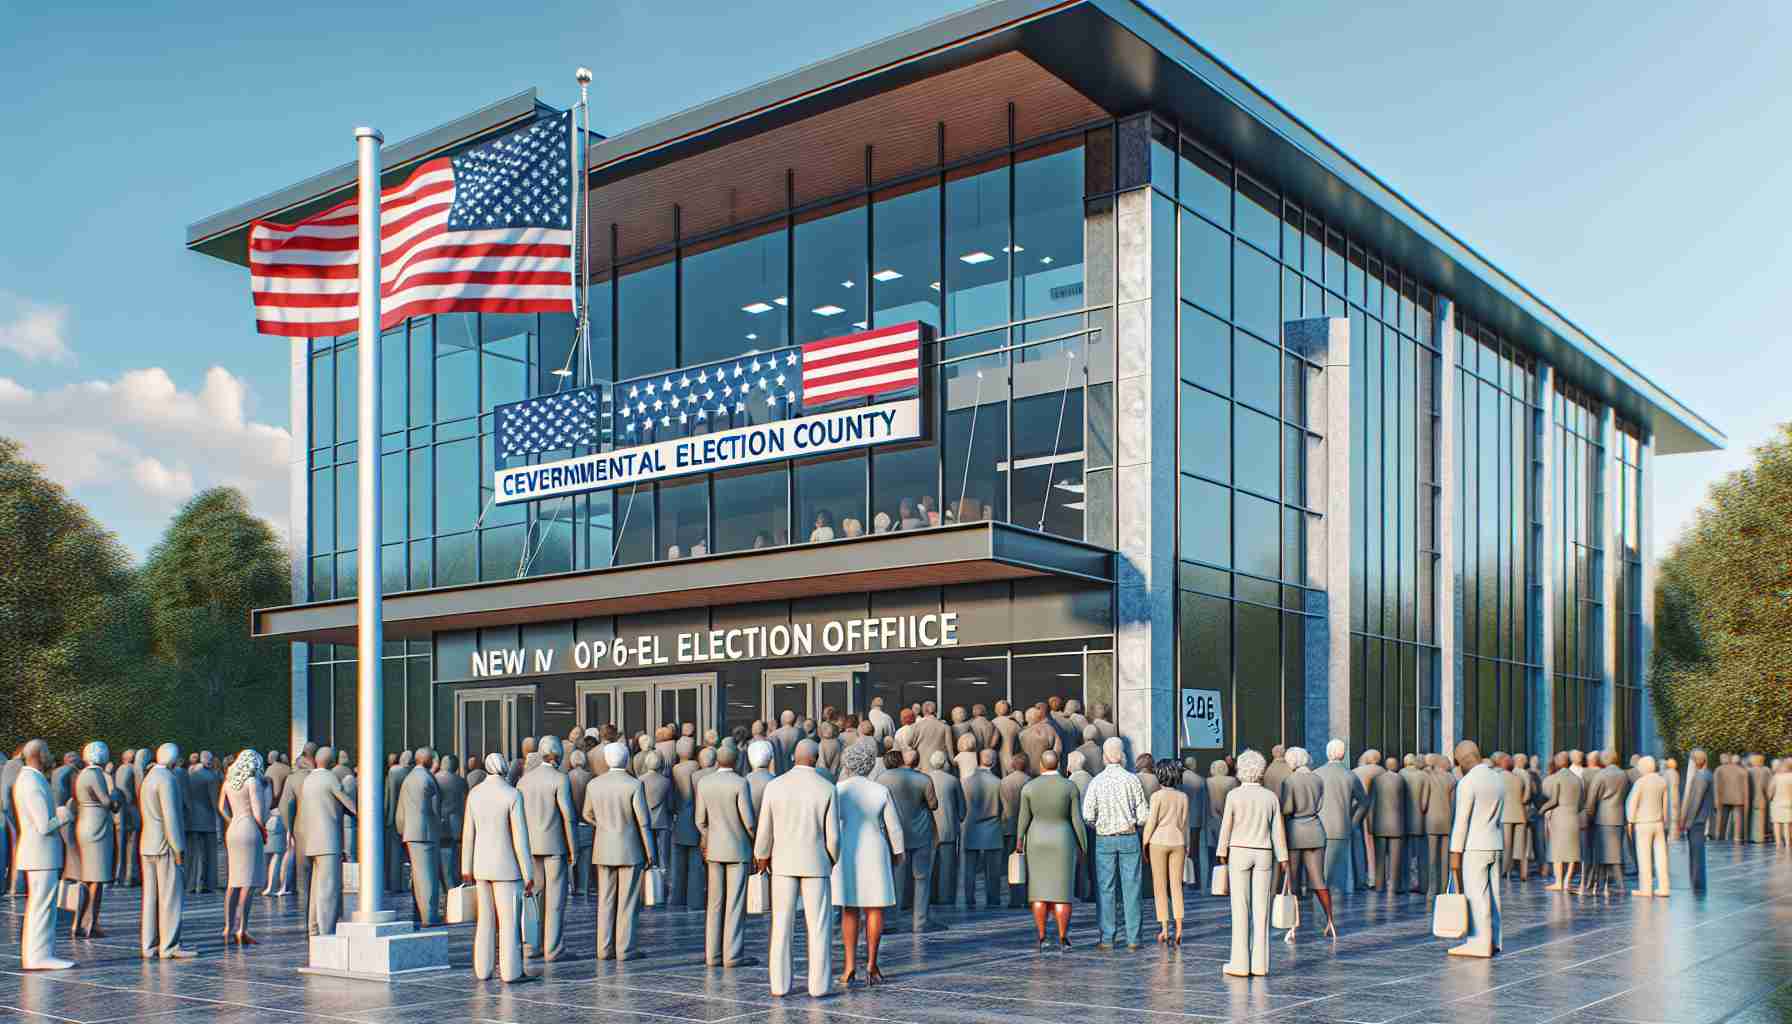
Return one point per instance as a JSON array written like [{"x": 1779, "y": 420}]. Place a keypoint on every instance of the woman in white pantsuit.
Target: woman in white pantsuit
[
  {"x": 95, "y": 800},
  {"x": 1252, "y": 842},
  {"x": 871, "y": 844},
  {"x": 244, "y": 804},
  {"x": 494, "y": 849}
]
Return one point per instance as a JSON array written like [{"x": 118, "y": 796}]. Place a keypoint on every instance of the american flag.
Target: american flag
[
  {"x": 487, "y": 231},
  {"x": 767, "y": 386},
  {"x": 562, "y": 420}
]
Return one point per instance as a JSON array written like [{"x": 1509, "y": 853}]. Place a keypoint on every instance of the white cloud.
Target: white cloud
[
  {"x": 134, "y": 447},
  {"x": 33, "y": 330}
]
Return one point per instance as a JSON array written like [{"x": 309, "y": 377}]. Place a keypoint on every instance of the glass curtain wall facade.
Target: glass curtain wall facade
[
  {"x": 1497, "y": 397},
  {"x": 1579, "y": 564},
  {"x": 1628, "y": 673},
  {"x": 1243, "y": 262}
]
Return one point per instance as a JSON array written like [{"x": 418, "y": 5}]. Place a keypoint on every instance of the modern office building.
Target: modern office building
[{"x": 1211, "y": 425}]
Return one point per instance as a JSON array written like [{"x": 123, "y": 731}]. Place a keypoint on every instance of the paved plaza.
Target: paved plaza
[{"x": 1725, "y": 956}]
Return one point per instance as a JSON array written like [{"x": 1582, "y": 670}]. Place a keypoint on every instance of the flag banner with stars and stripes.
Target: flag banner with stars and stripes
[
  {"x": 488, "y": 230},
  {"x": 569, "y": 419}
]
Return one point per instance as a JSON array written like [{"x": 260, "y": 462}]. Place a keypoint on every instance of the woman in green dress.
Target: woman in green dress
[{"x": 1051, "y": 837}]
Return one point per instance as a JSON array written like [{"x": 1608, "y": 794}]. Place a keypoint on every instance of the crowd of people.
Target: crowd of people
[{"x": 868, "y": 821}]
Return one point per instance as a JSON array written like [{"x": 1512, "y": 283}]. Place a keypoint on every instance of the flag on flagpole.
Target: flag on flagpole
[{"x": 488, "y": 230}]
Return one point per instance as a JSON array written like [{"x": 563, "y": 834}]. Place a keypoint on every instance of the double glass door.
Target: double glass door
[
  {"x": 642, "y": 705},
  {"x": 494, "y": 721},
  {"x": 808, "y": 691}
]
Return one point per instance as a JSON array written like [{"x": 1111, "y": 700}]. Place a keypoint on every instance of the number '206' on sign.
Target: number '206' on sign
[{"x": 1203, "y": 723}]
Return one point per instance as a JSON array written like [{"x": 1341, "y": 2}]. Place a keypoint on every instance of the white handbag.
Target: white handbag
[
  {"x": 532, "y": 921},
  {"x": 1284, "y": 910},
  {"x": 653, "y": 887},
  {"x": 759, "y": 893},
  {"x": 1222, "y": 881},
  {"x": 1449, "y": 915},
  {"x": 1190, "y": 873},
  {"x": 463, "y": 904},
  {"x": 351, "y": 876},
  {"x": 68, "y": 896},
  {"x": 1017, "y": 868}
]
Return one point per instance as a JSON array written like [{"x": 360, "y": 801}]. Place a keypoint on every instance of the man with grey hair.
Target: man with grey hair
[
  {"x": 616, "y": 809},
  {"x": 39, "y": 856},
  {"x": 1695, "y": 814},
  {"x": 578, "y": 777},
  {"x": 982, "y": 831},
  {"x": 547, "y": 808},
  {"x": 396, "y": 774},
  {"x": 883, "y": 726},
  {"x": 760, "y": 754},
  {"x": 203, "y": 785},
  {"x": 162, "y": 847},
  {"x": 418, "y": 820},
  {"x": 1414, "y": 778},
  {"x": 725, "y": 823},
  {"x": 1341, "y": 811},
  {"x": 830, "y": 747},
  {"x": 495, "y": 857},
  {"x": 1440, "y": 798},
  {"x": 916, "y": 802},
  {"x": 1362, "y": 852},
  {"x": 785, "y": 738},
  {"x": 685, "y": 884},
  {"x": 1116, "y": 807},
  {"x": 321, "y": 809},
  {"x": 798, "y": 841},
  {"x": 1477, "y": 842},
  {"x": 1647, "y": 811},
  {"x": 948, "y": 791},
  {"x": 931, "y": 735}
]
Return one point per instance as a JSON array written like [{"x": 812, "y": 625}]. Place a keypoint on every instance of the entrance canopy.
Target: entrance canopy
[{"x": 982, "y": 552}]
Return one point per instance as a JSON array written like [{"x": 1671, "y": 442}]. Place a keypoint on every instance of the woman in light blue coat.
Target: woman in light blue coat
[{"x": 871, "y": 844}]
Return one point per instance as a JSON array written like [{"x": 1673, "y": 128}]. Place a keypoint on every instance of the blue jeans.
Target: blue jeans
[{"x": 1117, "y": 860}]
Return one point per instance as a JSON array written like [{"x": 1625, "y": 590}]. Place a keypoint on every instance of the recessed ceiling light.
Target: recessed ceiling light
[
  {"x": 1075, "y": 505},
  {"x": 563, "y": 372},
  {"x": 1014, "y": 248},
  {"x": 935, "y": 286},
  {"x": 1069, "y": 675},
  {"x": 846, "y": 284},
  {"x": 886, "y": 275},
  {"x": 755, "y": 307},
  {"x": 827, "y": 310},
  {"x": 782, "y": 300},
  {"x": 752, "y": 337},
  {"x": 860, "y": 324},
  {"x": 977, "y": 257},
  {"x": 1047, "y": 260}
]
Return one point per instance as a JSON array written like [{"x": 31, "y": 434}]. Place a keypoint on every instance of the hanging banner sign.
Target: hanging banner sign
[{"x": 1203, "y": 726}]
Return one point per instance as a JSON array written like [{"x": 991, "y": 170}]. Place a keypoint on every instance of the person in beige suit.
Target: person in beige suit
[
  {"x": 418, "y": 821},
  {"x": 1760, "y": 781},
  {"x": 1252, "y": 843},
  {"x": 1732, "y": 799},
  {"x": 494, "y": 854},
  {"x": 39, "y": 857},
  {"x": 1166, "y": 843},
  {"x": 548, "y": 810},
  {"x": 1646, "y": 809},
  {"x": 1477, "y": 841},
  {"x": 1779, "y": 803},
  {"x": 163, "y": 849},
  {"x": 725, "y": 823},
  {"x": 798, "y": 841},
  {"x": 622, "y": 848},
  {"x": 322, "y": 808},
  {"x": 1516, "y": 820}
]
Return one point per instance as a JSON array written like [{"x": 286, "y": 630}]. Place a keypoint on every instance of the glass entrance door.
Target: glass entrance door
[
  {"x": 640, "y": 705},
  {"x": 494, "y": 721},
  {"x": 809, "y": 691}
]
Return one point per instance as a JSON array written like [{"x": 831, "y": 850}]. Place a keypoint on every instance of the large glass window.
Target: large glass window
[
  {"x": 752, "y": 509},
  {"x": 829, "y": 293},
  {"x": 975, "y": 436},
  {"x": 977, "y": 246},
  {"x": 729, "y": 294},
  {"x": 905, "y": 255},
  {"x": 684, "y": 517},
  {"x": 830, "y": 497},
  {"x": 647, "y": 315},
  {"x": 1048, "y": 229}
]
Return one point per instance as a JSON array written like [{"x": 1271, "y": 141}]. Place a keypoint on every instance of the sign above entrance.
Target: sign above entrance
[
  {"x": 747, "y": 643},
  {"x": 736, "y": 412}
]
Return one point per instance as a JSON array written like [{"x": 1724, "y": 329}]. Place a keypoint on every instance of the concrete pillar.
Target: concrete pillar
[
  {"x": 1611, "y": 568},
  {"x": 1326, "y": 340},
  {"x": 1145, "y": 459},
  {"x": 1549, "y": 561},
  {"x": 1650, "y": 739},
  {"x": 1448, "y": 610},
  {"x": 299, "y": 533}
]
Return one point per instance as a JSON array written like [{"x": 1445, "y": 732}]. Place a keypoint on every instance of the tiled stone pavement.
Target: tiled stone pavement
[{"x": 1725, "y": 956}]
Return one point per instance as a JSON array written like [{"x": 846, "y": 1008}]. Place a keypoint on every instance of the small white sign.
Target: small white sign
[{"x": 1203, "y": 724}]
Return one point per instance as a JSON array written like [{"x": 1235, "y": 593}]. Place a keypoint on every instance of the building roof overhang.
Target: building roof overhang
[
  {"x": 1125, "y": 57},
  {"x": 964, "y": 553}
]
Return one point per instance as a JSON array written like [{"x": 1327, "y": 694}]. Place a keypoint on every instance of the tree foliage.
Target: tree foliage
[
  {"x": 91, "y": 646},
  {"x": 1722, "y": 664}
]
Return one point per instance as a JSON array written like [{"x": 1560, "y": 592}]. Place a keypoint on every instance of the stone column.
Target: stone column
[
  {"x": 298, "y": 533},
  {"x": 1326, "y": 341},
  {"x": 1145, "y": 457},
  {"x": 1650, "y": 738},
  {"x": 1448, "y": 609},
  {"x": 1611, "y": 568},
  {"x": 1549, "y": 555}
]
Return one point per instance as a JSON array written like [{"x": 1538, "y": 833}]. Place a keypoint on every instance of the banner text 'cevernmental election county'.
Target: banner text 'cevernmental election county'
[{"x": 726, "y": 449}]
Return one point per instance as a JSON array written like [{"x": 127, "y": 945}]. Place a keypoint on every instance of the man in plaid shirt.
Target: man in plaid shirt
[{"x": 1115, "y": 805}]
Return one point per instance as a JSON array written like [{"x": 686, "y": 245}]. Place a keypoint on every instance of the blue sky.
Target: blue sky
[{"x": 1629, "y": 164}]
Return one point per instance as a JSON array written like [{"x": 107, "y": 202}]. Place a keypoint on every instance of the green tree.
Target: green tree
[
  {"x": 1722, "y": 663},
  {"x": 214, "y": 565},
  {"x": 65, "y": 586}
]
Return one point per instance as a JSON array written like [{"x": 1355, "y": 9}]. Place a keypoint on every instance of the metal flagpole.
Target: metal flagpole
[{"x": 369, "y": 629}]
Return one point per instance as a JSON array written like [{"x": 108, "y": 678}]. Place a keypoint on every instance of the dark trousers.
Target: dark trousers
[
  {"x": 989, "y": 862},
  {"x": 1017, "y": 894},
  {"x": 1695, "y": 856}
]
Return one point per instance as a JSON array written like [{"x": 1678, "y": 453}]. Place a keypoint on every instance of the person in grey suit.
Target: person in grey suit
[
  {"x": 1414, "y": 777},
  {"x": 203, "y": 786},
  {"x": 578, "y": 777},
  {"x": 1009, "y": 793},
  {"x": 982, "y": 831},
  {"x": 1695, "y": 815},
  {"x": 289, "y": 813},
  {"x": 1604, "y": 803},
  {"x": 321, "y": 810},
  {"x": 798, "y": 841},
  {"x": 1195, "y": 788},
  {"x": 1440, "y": 801},
  {"x": 785, "y": 738},
  {"x": 685, "y": 888},
  {"x": 1387, "y": 822},
  {"x": 725, "y": 824},
  {"x": 1219, "y": 786},
  {"x": 453, "y": 788},
  {"x": 1341, "y": 814},
  {"x": 759, "y": 758},
  {"x": 1080, "y": 778},
  {"x": 623, "y": 848},
  {"x": 397, "y": 771},
  {"x": 948, "y": 791},
  {"x": 548, "y": 811},
  {"x": 494, "y": 855},
  {"x": 95, "y": 800},
  {"x": 39, "y": 857},
  {"x": 1477, "y": 842},
  {"x": 418, "y": 820},
  {"x": 128, "y": 822},
  {"x": 163, "y": 848},
  {"x": 916, "y": 803},
  {"x": 9, "y": 825},
  {"x": 656, "y": 789}
]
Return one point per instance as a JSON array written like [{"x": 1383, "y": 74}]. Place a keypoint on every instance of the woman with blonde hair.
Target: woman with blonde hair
[
  {"x": 95, "y": 800},
  {"x": 244, "y": 805},
  {"x": 1252, "y": 843}
]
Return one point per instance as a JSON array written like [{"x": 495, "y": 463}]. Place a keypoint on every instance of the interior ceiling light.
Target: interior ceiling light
[
  {"x": 782, "y": 300},
  {"x": 755, "y": 307},
  {"x": 562, "y": 372},
  {"x": 935, "y": 286},
  {"x": 1075, "y": 505},
  {"x": 1014, "y": 248},
  {"x": 827, "y": 310},
  {"x": 846, "y": 284},
  {"x": 1047, "y": 260},
  {"x": 974, "y": 258},
  {"x": 886, "y": 275}
]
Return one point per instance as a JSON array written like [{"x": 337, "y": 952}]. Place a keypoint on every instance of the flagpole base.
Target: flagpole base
[{"x": 381, "y": 950}]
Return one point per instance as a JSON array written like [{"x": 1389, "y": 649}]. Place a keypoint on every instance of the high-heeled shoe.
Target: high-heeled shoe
[
  {"x": 1163, "y": 936},
  {"x": 1064, "y": 944},
  {"x": 846, "y": 978},
  {"x": 873, "y": 976},
  {"x": 245, "y": 939},
  {"x": 1330, "y": 930}
]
